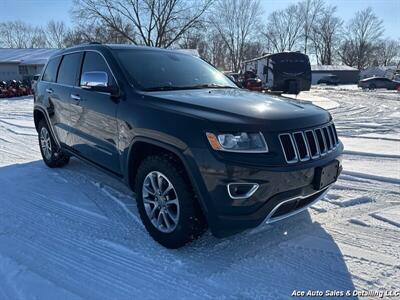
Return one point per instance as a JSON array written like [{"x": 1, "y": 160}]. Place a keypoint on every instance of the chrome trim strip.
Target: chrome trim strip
[
  {"x": 296, "y": 158},
  {"x": 269, "y": 219},
  {"x": 75, "y": 97},
  {"x": 248, "y": 194},
  {"x": 77, "y": 51}
]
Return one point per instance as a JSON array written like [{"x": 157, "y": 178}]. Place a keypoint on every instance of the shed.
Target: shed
[{"x": 346, "y": 74}]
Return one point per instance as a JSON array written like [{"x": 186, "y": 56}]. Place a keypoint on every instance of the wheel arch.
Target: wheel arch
[
  {"x": 142, "y": 147},
  {"x": 40, "y": 114}
]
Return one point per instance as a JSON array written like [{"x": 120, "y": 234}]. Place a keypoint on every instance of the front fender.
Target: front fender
[{"x": 185, "y": 156}]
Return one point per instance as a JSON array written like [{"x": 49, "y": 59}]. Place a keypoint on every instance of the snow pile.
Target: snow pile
[{"x": 74, "y": 233}]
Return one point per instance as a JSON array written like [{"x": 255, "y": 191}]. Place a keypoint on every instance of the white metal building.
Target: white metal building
[
  {"x": 346, "y": 74},
  {"x": 20, "y": 64}
]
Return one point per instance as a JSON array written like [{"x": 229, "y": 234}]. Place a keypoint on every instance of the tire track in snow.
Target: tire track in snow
[{"x": 114, "y": 263}]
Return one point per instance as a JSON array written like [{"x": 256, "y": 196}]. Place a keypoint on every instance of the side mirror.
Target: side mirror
[{"x": 95, "y": 80}]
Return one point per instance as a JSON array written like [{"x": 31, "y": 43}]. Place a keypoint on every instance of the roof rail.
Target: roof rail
[{"x": 85, "y": 44}]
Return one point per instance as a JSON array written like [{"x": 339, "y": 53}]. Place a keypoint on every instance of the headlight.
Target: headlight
[{"x": 238, "y": 142}]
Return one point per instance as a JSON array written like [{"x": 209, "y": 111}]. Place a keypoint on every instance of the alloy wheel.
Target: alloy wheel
[
  {"x": 45, "y": 143},
  {"x": 160, "y": 201}
]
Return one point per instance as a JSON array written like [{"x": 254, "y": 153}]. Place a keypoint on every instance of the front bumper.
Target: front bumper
[{"x": 282, "y": 191}]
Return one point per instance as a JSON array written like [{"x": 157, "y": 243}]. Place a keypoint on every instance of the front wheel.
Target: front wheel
[
  {"x": 51, "y": 154},
  {"x": 167, "y": 203}
]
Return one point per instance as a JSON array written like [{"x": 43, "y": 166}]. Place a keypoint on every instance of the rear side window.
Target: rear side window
[
  {"x": 50, "y": 73},
  {"x": 69, "y": 69},
  {"x": 93, "y": 61}
]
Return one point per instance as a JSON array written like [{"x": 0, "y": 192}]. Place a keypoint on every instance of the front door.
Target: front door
[{"x": 93, "y": 119}]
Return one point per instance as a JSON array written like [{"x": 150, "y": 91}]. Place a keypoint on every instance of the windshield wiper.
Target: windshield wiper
[
  {"x": 165, "y": 88},
  {"x": 189, "y": 87},
  {"x": 213, "y": 86}
]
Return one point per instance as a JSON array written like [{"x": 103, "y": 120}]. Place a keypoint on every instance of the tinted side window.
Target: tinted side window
[
  {"x": 69, "y": 69},
  {"x": 50, "y": 73},
  {"x": 93, "y": 61}
]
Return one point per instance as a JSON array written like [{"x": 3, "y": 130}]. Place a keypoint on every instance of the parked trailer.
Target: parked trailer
[{"x": 286, "y": 72}]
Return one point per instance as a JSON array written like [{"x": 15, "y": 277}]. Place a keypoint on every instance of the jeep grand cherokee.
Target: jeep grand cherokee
[{"x": 197, "y": 150}]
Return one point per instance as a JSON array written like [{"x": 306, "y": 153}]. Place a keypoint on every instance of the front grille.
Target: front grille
[{"x": 308, "y": 144}]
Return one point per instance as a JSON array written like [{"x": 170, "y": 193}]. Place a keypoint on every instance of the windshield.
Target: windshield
[{"x": 152, "y": 70}]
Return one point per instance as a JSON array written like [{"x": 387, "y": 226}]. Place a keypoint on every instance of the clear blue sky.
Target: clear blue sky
[{"x": 39, "y": 12}]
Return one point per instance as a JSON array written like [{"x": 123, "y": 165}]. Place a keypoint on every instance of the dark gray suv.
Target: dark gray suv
[{"x": 197, "y": 150}]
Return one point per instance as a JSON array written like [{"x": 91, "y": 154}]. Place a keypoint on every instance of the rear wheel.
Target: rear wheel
[
  {"x": 167, "y": 203},
  {"x": 51, "y": 154}
]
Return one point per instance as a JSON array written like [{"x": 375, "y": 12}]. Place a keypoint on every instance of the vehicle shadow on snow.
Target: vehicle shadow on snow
[
  {"x": 271, "y": 261},
  {"x": 293, "y": 254}
]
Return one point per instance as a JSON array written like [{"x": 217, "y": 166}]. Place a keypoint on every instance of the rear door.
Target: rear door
[
  {"x": 94, "y": 118},
  {"x": 49, "y": 92},
  {"x": 67, "y": 82}
]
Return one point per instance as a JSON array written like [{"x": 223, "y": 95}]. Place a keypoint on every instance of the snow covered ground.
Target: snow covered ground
[{"x": 74, "y": 233}]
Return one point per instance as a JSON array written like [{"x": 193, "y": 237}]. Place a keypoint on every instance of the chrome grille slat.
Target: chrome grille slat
[
  {"x": 320, "y": 133},
  {"x": 302, "y": 146},
  {"x": 286, "y": 148},
  {"x": 312, "y": 143},
  {"x": 335, "y": 133},
  {"x": 328, "y": 139},
  {"x": 331, "y": 131},
  {"x": 298, "y": 147}
]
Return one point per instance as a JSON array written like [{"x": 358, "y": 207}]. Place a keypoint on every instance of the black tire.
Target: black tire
[
  {"x": 54, "y": 158},
  {"x": 191, "y": 223}
]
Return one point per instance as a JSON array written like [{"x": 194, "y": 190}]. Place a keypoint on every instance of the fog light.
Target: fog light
[{"x": 241, "y": 190}]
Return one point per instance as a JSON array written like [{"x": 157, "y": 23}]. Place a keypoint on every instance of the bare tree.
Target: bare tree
[
  {"x": 283, "y": 28},
  {"x": 195, "y": 39},
  {"x": 96, "y": 31},
  {"x": 348, "y": 53},
  {"x": 158, "y": 23},
  {"x": 325, "y": 35},
  {"x": 56, "y": 33},
  {"x": 363, "y": 32},
  {"x": 387, "y": 52},
  {"x": 309, "y": 12},
  {"x": 218, "y": 53},
  {"x": 17, "y": 34},
  {"x": 236, "y": 21}
]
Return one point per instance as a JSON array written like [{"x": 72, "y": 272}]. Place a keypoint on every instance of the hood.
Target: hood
[{"x": 239, "y": 106}]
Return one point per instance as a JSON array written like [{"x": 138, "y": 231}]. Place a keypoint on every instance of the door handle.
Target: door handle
[
  {"x": 75, "y": 97},
  {"x": 50, "y": 91}
]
